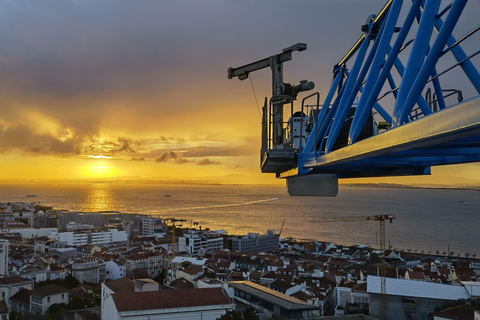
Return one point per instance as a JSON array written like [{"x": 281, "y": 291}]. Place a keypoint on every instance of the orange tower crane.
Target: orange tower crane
[{"x": 382, "y": 218}]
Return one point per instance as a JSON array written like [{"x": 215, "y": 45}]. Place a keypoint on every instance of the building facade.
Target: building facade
[
  {"x": 193, "y": 304},
  {"x": 41, "y": 299},
  {"x": 253, "y": 242},
  {"x": 86, "y": 270},
  {"x": 410, "y": 300},
  {"x": 194, "y": 242},
  {"x": 144, "y": 264},
  {"x": 3, "y": 257},
  {"x": 94, "y": 237},
  {"x": 115, "y": 269}
]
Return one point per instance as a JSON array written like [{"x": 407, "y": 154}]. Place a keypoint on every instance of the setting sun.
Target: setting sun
[{"x": 99, "y": 169}]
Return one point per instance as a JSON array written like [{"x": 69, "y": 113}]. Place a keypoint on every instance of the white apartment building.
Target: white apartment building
[
  {"x": 193, "y": 241},
  {"x": 115, "y": 269},
  {"x": 75, "y": 225},
  {"x": 145, "y": 263},
  {"x": 3, "y": 257},
  {"x": 31, "y": 232},
  {"x": 70, "y": 238},
  {"x": 41, "y": 299},
  {"x": 93, "y": 237},
  {"x": 210, "y": 304},
  {"x": 152, "y": 226},
  {"x": 112, "y": 235},
  {"x": 147, "y": 227},
  {"x": 86, "y": 270}
]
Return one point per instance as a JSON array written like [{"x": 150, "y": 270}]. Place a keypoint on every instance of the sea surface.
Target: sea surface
[{"x": 427, "y": 220}]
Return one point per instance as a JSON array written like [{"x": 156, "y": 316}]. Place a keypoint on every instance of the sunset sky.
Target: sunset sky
[{"x": 139, "y": 89}]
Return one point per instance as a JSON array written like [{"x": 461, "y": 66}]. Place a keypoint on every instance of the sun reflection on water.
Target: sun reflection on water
[{"x": 99, "y": 198}]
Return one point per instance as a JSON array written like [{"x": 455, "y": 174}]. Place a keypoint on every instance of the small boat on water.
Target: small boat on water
[{"x": 167, "y": 195}]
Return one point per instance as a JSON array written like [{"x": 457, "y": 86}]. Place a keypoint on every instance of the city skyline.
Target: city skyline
[{"x": 117, "y": 90}]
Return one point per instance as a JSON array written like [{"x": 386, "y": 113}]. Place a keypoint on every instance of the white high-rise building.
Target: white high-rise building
[
  {"x": 3, "y": 257},
  {"x": 147, "y": 227}
]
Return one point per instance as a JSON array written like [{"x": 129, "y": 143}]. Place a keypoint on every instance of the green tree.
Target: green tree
[
  {"x": 247, "y": 314},
  {"x": 14, "y": 315},
  {"x": 160, "y": 277},
  {"x": 57, "y": 307},
  {"x": 250, "y": 314},
  {"x": 449, "y": 304},
  {"x": 231, "y": 315},
  {"x": 87, "y": 300},
  {"x": 69, "y": 282}
]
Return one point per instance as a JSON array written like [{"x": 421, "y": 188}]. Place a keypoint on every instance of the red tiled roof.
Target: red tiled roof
[
  {"x": 168, "y": 299},
  {"x": 269, "y": 274},
  {"x": 79, "y": 290},
  {"x": 13, "y": 279},
  {"x": 49, "y": 290},
  {"x": 285, "y": 277},
  {"x": 23, "y": 295},
  {"x": 301, "y": 296},
  {"x": 360, "y": 287},
  {"x": 193, "y": 270},
  {"x": 280, "y": 284},
  {"x": 122, "y": 285},
  {"x": 235, "y": 275},
  {"x": 463, "y": 312},
  {"x": 419, "y": 275},
  {"x": 182, "y": 283},
  {"x": 54, "y": 267}
]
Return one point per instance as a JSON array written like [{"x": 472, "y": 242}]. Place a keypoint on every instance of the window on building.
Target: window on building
[
  {"x": 268, "y": 306},
  {"x": 48, "y": 299}
]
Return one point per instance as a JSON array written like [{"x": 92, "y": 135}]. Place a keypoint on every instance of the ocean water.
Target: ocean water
[{"x": 427, "y": 220}]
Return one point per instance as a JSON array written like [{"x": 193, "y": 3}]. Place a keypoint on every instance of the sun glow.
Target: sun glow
[
  {"x": 99, "y": 169},
  {"x": 99, "y": 157}
]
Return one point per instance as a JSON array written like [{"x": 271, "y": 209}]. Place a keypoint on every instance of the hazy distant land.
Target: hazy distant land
[{"x": 220, "y": 181}]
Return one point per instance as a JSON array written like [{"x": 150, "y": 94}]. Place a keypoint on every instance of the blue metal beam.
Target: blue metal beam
[{"x": 442, "y": 127}]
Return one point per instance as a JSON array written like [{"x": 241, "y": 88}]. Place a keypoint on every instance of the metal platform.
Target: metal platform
[
  {"x": 278, "y": 160},
  {"x": 446, "y": 137}
]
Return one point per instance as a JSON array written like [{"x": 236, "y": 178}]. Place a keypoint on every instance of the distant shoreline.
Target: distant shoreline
[
  {"x": 401, "y": 186},
  {"x": 216, "y": 183}
]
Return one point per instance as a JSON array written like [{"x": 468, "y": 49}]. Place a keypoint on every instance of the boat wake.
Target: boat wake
[{"x": 223, "y": 205}]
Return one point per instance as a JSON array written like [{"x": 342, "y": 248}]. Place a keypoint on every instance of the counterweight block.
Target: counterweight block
[{"x": 315, "y": 185}]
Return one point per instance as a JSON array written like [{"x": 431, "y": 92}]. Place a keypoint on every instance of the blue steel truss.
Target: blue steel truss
[{"x": 418, "y": 126}]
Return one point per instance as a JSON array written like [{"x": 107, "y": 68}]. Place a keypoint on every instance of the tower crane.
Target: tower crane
[
  {"x": 387, "y": 113},
  {"x": 173, "y": 220},
  {"x": 381, "y": 218},
  {"x": 281, "y": 229}
]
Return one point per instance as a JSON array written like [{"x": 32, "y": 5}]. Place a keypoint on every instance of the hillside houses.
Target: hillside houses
[{"x": 315, "y": 277}]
